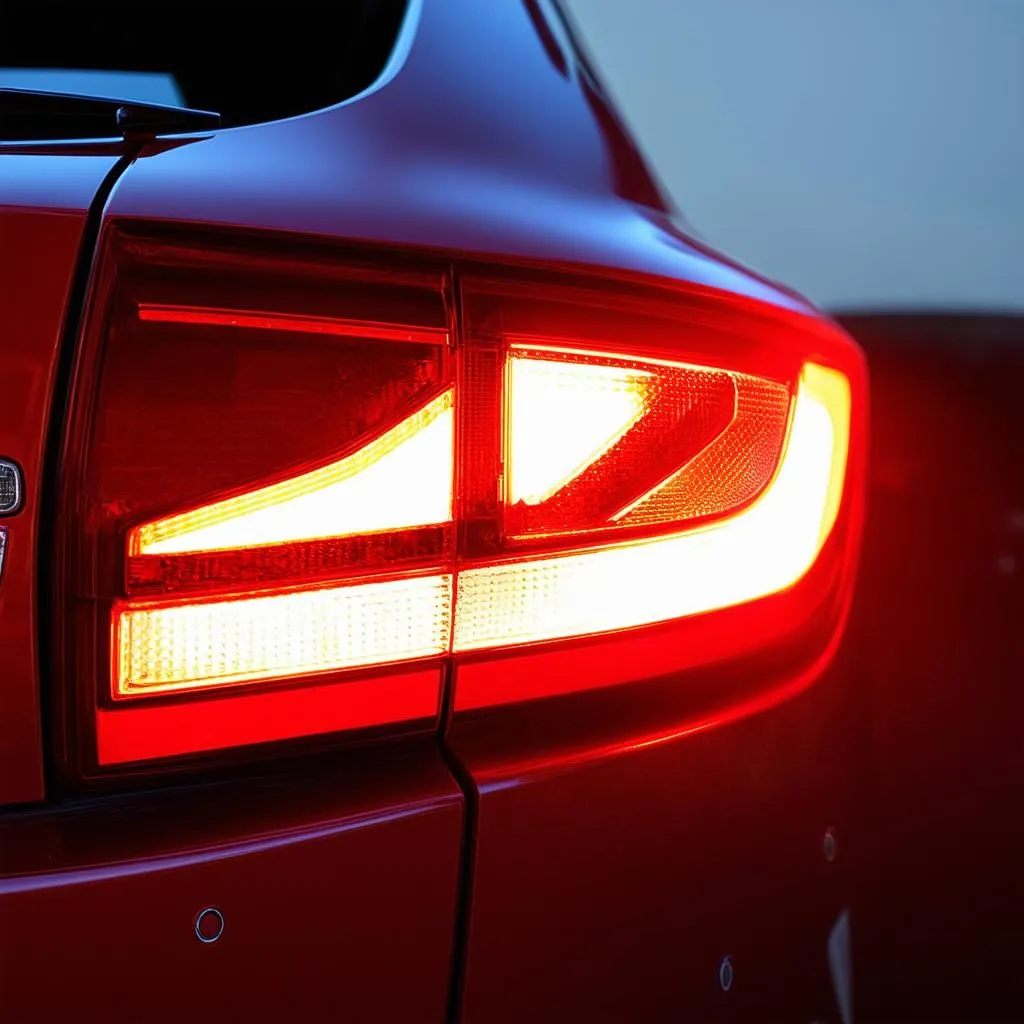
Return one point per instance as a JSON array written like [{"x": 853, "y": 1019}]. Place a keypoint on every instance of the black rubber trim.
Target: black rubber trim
[
  {"x": 459, "y": 772},
  {"x": 73, "y": 315},
  {"x": 467, "y": 861}
]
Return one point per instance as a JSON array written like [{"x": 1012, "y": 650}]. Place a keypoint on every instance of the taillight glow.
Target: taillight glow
[
  {"x": 562, "y": 418},
  {"x": 213, "y": 643},
  {"x": 402, "y": 479},
  {"x": 301, "y": 496},
  {"x": 761, "y": 550},
  {"x": 604, "y": 441},
  {"x": 733, "y": 467}
]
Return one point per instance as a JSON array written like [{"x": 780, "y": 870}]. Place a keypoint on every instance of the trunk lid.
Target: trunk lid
[{"x": 46, "y": 194}]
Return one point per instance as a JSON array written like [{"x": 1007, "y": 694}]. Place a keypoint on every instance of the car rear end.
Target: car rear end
[{"x": 426, "y": 598}]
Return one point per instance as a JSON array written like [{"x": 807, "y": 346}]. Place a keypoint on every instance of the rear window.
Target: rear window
[{"x": 248, "y": 62}]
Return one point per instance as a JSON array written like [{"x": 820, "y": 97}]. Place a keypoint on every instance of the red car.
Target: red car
[{"x": 424, "y": 565}]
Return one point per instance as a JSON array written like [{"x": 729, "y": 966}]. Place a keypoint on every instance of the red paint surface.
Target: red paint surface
[
  {"x": 43, "y": 202},
  {"x": 630, "y": 837},
  {"x": 337, "y": 885},
  {"x": 477, "y": 144},
  {"x": 609, "y": 884}
]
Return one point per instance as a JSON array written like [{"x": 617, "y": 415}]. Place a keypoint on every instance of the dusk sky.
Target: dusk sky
[{"x": 867, "y": 152}]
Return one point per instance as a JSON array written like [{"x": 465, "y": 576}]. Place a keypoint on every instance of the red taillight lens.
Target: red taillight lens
[
  {"x": 397, "y": 481},
  {"x": 290, "y": 499},
  {"x": 765, "y": 548},
  {"x": 257, "y": 530},
  {"x": 595, "y": 441}
]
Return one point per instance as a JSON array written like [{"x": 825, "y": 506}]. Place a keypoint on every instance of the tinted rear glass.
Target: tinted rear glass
[{"x": 249, "y": 62}]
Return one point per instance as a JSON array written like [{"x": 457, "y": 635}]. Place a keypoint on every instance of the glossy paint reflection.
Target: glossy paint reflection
[{"x": 424, "y": 160}]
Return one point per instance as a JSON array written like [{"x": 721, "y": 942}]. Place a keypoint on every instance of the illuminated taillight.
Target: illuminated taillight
[
  {"x": 202, "y": 644},
  {"x": 595, "y": 441},
  {"x": 257, "y": 534},
  {"x": 652, "y": 484},
  {"x": 397, "y": 481},
  {"x": 762, "y": 549},
  {"x": 294, "y": 498}
]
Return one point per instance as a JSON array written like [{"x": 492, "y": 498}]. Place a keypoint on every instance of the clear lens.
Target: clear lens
[
  {"x": 598, "y": 442},
  {"x": 211, "y": 643},
  {"x": 763, "y": 549}
]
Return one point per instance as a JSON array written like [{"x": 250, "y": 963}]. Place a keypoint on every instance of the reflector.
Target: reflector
[{"x": 730, "y": 470}]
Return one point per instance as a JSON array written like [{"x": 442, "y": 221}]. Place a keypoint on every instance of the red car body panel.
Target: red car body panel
[
  {"x": 44, "y": 201},
  {"x": 331, "y": 881},
  {"x": 611, "y": 882},
  {"x": 614, "y": 847},
  {"x": 446, "y": 152}
]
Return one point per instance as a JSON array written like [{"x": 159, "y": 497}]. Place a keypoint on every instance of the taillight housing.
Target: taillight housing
[
  {"x": 301, "y": 488},
  {"x": 701, "y": 507}
]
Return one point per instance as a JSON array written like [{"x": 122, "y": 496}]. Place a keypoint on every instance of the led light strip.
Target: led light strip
[
  {"x": 761, "y": 550},
  {"x": 403, "y": 479},
  {"x": 295, "y": 323}
]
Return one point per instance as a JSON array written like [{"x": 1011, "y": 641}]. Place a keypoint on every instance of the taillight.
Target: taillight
[
  {"x": 651, "y": 483},
  {"x": 299, "y": 490},
  {"x": 689, "y": 568}
]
